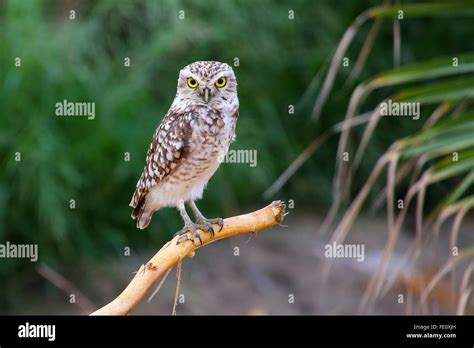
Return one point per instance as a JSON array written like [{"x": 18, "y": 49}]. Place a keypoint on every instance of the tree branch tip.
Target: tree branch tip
[{"x": 278, "y": 208}]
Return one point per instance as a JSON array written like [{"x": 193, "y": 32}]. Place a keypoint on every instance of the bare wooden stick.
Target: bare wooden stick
[
  {"x": 179, "y": 268},
  {"x": 67, "y": 286},
  {"x": 172, "y": 253}
]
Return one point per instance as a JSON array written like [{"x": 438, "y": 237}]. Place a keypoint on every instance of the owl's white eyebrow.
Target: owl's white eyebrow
[
  {"x": 220, "y": 76},
  {"x": 191, "y": 77}
]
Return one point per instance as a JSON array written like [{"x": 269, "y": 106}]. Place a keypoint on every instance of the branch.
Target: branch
[
  {"x": 172, "y": 253},
  {"x": 65, "y": 285}
]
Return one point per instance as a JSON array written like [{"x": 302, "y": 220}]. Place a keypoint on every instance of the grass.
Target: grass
[{"x": 439, "y": 150}]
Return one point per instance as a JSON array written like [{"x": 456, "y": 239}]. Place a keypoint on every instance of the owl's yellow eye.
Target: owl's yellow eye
[
  {"x": 192, "y": 82},
  {"x": 221, "y": 82}
]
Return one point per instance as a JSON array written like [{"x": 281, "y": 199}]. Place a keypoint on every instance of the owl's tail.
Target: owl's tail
[{"x": 142, "y": 215}]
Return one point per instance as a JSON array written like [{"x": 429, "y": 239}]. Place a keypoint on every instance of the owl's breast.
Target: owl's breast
[
  {"x": 212, "y": 132},
  {"x": 213, "y": 129}
]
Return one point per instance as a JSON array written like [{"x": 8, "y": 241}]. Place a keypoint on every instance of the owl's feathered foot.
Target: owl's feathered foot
[
  {"x": 202, "y": 224},
  {"x": 207, "y": 224},
  {"x": 186, "y": 230}
]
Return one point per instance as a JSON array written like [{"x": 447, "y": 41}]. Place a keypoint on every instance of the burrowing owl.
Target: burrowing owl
[{"x": 189, "y": 145}]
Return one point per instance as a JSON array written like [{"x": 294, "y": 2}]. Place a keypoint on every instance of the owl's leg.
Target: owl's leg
[
  {"x": 189, "y": 226},
  {"x": 202, "y": 221}
]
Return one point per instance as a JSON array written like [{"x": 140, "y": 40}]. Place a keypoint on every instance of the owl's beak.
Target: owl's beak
[{"x": 206, "y": 94}]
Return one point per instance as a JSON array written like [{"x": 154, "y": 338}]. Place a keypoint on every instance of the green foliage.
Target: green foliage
[
  {"x": 438, "y": 152},
  {"x": 83, "y": 60}
]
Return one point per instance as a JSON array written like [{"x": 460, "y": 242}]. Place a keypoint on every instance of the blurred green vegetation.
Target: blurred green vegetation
[{"x": 83, "y": 60}]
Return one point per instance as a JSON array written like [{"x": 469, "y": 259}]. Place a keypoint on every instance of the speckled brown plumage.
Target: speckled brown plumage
[{"x": 190, "y": 142}]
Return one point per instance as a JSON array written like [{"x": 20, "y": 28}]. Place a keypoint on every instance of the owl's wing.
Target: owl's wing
[{"x": 169, "y": 145}]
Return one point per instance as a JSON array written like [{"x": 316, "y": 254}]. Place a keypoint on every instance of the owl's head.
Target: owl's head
[{"x": 207, "y": 82}]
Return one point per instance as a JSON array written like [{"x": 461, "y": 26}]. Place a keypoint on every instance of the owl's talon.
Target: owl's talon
[
  {"x": 208, "y": 223},
  {"x": 185, "y": 237},
  {"x": 185, "y": 231},
  {"x": 216, "y": 221},
  {"x": 196, "y": 234},
  {"x": 211, "y": 231},
  {"x": 182, "y": 238},
  {"x": 220, "y": 222},
  {"x": 206, "y": 227}
]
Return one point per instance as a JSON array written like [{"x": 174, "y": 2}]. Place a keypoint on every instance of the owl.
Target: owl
[{"x": 189, "y": 145}]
